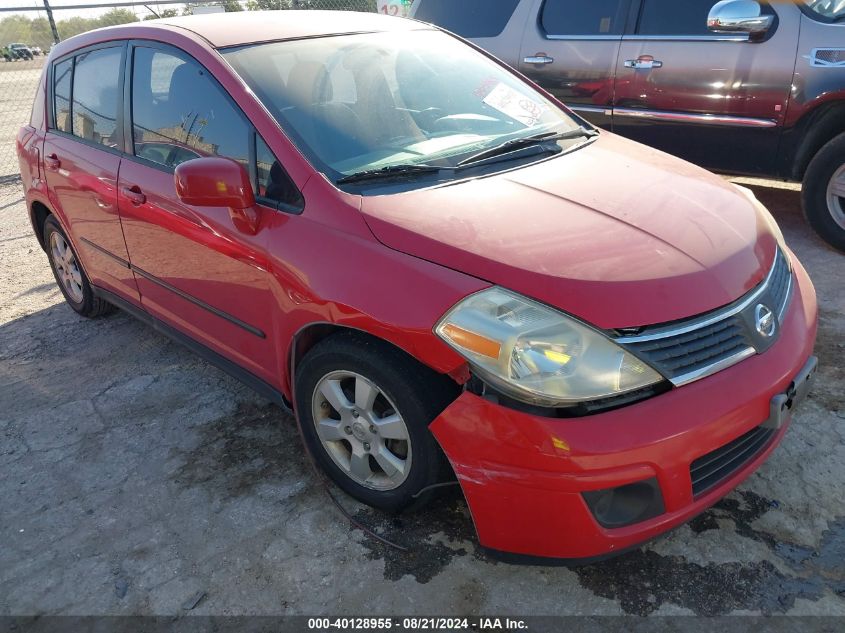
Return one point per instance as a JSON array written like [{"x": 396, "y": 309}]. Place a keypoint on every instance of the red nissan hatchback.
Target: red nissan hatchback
[{"x": 445, "y": 273}]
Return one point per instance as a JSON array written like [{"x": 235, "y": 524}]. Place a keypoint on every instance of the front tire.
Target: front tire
[
  {"x": 364, "y": 408},
  {"x": 824, "y": 193},
  {"x": 71, "y": 278}
]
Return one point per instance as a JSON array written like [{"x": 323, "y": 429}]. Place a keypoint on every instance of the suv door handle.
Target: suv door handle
[
  {"x": 134, "y": 195},
  {"x": 52, "y": 162},
  {"x": 540, "y": 59},
  {"x": 646, "y": 62}
]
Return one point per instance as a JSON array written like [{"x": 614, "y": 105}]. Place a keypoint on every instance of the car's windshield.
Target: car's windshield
[
  {"x": 831, "y": 9},
  {"x": 356, "y": 103}
]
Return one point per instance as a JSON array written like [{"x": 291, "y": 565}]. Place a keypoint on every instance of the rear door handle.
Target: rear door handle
[
  {"x": 643, "y": 63},
  {"x": 134, "y": 195},
  {"x": 540, "y": 59},
  {"x": 52, "y": 162}
]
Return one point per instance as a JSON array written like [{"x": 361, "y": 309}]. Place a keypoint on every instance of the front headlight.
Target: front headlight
[{"x": 538, "y": 355}]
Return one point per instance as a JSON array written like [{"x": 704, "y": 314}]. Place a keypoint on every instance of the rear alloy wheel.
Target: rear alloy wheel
[
  {"x": 69, "y": 274},
  {"x": 67, "y": 269},
  {"x": 364, "y": 408},
  {"x": 824, "y": 193}
]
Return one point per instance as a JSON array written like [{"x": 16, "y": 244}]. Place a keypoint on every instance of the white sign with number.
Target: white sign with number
[{"x": 394, "y": 7}]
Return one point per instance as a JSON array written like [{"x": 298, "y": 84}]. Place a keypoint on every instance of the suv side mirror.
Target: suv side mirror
[
  {"x": 739, "y": 16},
  {"x": 219, "y": 182}
]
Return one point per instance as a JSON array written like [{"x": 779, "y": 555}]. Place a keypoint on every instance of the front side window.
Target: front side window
[
  {"x": 669, "y": 17},
  {"x": 95, "y": 95},
  {"x": 179, "y": 113},
  {"x": 584, "y": 17},
  {"x": 354, "y": 103},
  {"x": 672, "y": 18},
  {"x": 274, "y": 184},
  {"x": 828, "y": 10},
  {"x": 468, "y": 18},
  {"x": 62, "y": 77}
]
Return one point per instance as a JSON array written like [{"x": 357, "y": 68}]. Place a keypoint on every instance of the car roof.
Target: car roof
[{"x": 246, "y": 27}]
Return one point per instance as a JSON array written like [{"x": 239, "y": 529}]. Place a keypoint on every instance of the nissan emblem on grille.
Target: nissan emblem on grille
[
  {"x": 764, "y": 319},
  {"x": 689, "y": 350}
]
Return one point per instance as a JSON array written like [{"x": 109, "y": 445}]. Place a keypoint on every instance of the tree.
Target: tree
[
  {"x": 231, "y": 6},
  {"x": 165, "y": 13},
  {"x": 116, "y": 16}
]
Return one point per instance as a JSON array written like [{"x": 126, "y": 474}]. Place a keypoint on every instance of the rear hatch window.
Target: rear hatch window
[{"x": 468, "y": 18}]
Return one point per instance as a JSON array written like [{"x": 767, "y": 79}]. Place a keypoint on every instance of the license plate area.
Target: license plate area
[{"x": 783, "y": 404}]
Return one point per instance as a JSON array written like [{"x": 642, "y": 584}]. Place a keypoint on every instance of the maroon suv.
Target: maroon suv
[{"x": 737, "y": 86}]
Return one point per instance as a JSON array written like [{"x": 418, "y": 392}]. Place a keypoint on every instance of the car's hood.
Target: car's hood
[{"x": 615, "y": 233}]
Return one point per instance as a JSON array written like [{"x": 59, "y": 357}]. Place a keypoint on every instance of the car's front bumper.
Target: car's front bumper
[{"x": 523, "y": 475}]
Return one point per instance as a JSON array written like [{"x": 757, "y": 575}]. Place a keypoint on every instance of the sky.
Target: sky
[{"x": 59, "y": 14}]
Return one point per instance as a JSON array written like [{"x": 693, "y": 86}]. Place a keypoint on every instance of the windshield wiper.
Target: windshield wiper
[
  {"x": 387, "y": 173},
  {"x": 527, "y": 141}
]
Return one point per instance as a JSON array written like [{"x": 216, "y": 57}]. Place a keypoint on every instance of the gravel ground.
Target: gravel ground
[{"x": 137, "y": 479}]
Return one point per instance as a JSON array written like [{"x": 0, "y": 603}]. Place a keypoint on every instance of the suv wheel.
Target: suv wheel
[
  {"x": 364, "y": 409},
  {"x": 68, "y": 272},
  {"x": 824, "y": 193}
]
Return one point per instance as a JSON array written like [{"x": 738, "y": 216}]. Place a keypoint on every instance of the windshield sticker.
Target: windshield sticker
[{"x": 515, "y": 105}]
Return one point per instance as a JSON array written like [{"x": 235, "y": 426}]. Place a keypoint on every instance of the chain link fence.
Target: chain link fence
[{"x": 26, "y": 36}]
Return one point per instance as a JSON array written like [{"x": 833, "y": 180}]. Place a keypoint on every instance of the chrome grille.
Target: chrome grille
[{"x": 692, "y": 349}]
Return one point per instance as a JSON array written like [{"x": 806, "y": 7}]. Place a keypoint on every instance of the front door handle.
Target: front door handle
[
  {"x": 540, "y": 59},
  {"x": 646, "y": 62},
  {"x": 134, "y": 195},
  {"x": 52, "y": 162}
]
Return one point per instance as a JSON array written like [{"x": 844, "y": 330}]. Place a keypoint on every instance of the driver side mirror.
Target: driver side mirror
[
  {"x": 739, "y": 16},
  {"x": 219, "y": 182}
]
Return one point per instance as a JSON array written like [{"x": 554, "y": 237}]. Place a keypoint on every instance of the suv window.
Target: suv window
[
  {"x": 670, "y": 17},
  {"x": 95, "y": 95},
  {"x": 179, "y": 112},
  {"x": 62, "y": 75},
  {"x": 828, "y": 10},
  {"x": 468, "y": 18},
  {"x": 584, "y": 17}
]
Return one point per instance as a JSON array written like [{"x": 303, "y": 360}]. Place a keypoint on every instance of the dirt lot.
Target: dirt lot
[{"x": 138, "y": 479}]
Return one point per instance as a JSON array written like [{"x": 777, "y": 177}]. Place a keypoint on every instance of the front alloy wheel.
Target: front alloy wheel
[
  {"x": 361, "y": 430},
  {"x": 836, "y": 197},
  {"x": 824, "y": 192},
  {"x": 364, "y": 408}
]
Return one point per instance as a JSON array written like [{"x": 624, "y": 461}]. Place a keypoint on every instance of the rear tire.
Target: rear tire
[
  {"x": 824, "y": 193},
  {"x": 71, "y": 278},
  {"x": 378, "y": 449}
]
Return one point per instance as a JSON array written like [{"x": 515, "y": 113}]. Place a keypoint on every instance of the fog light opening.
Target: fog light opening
[{"x": 626, "y": 505}]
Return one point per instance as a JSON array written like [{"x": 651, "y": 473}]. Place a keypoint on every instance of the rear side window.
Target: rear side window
[
  {"x": 584, "y": 17},
  {"x": 95, "y": 95},
  {"x": 62, "y": 76},
  {"x": 468, "y": 18},
  {"x": 179, "y": 113}
]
